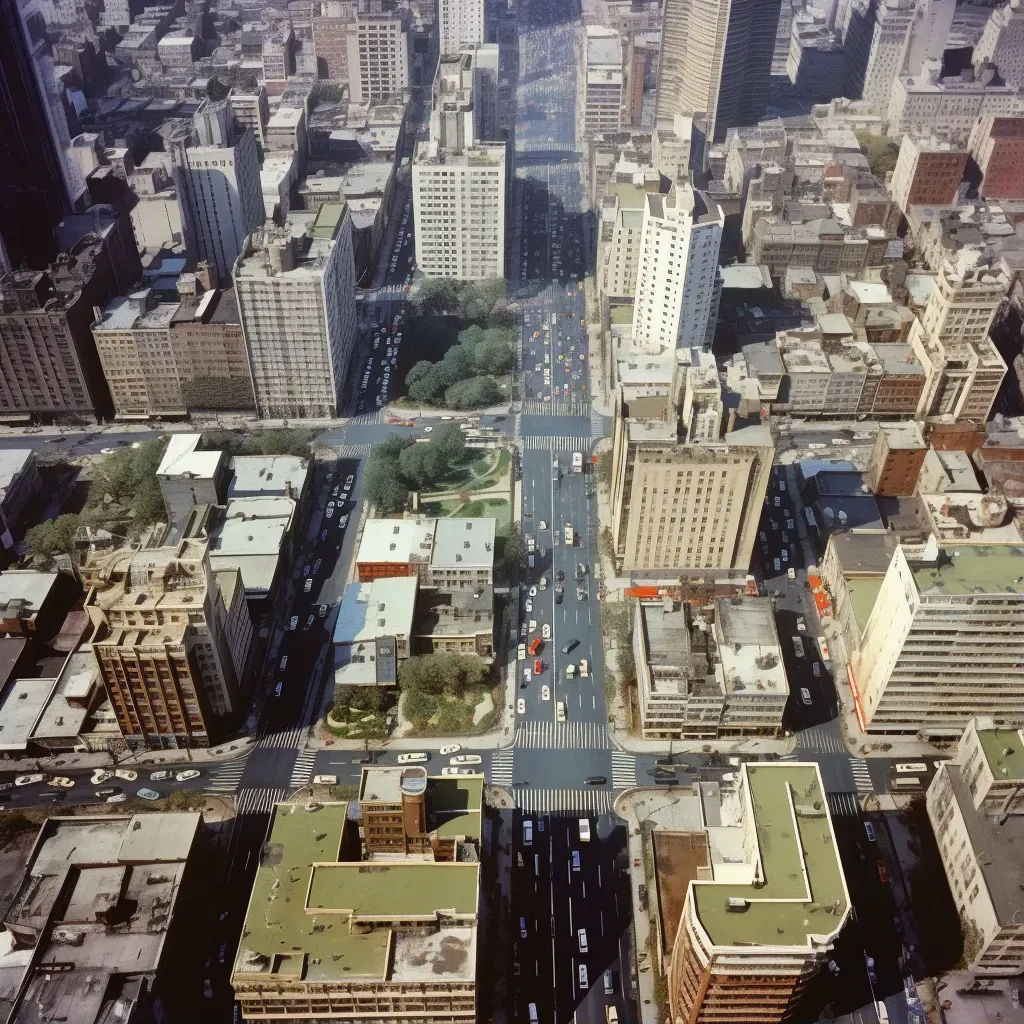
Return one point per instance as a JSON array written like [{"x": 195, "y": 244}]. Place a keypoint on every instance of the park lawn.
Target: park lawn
[
  {"x": 484, "y": 508},
  {"x": 453, "y": 716}
]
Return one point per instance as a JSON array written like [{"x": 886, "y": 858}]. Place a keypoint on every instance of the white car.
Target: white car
[
  {"x": 453, "y": 748},
  {"x": 545, "y": 631},
  {"x": 126, "y": 774},
  {"x": 529, "y": 606},
  {"x": 456, "y": 771},
  {"x": 545, "y": 693},
  {"x": 293, "y": 622},
  {"x": 816, "y": 669},
  {"x": 117, "y": 798},
  {"x": 187, "y": 775},
  {"x": 801, "y": 624},
  {"x": 521, "y": 652},
  {"x": 100, "y": 776},
  {"x": 159, "y": 776},
  {"x": 527, "y": 675},
  {"x": 521, "y": 706},
  {"x": 533, "y": 591},
  {"x": 28, "y": 780},
  {"x": 805, "y": 695},
  {"x": 61, "y": 782},
  {"x": 427, "y": 430},
  {"x": 543, "y": 525},
  {"x": 284, "y": 662}
]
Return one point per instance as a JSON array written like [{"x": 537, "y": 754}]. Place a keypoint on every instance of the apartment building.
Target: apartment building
[
  {"x": 400, "y": 935},
  {"x": 822, "y": 244},
  {"x": 815, "y": 63},
  {"x": 684, "y": 506},
  {"x": 330, "y": 25},
  {"x": 991, "y": 760},
  {"x": 134, "y": 346},
  {"x": 896, "y": 459},
  {"x": 600, "y": 82},
  {"x": 462, "y": 557},
  {"x": 161, "y": 633},
  {"x": 923, "y": 102},
  {"x": 963, "y": 368},
  {"x": 943, "y": 642},
  {"x": 461, "y": 23},
  {"x": 618, "y": 246},
  {"x": 459, "y": 206},
  {"x": 378, "y": 57},
  {"x": 997, "y": 145},
  {"x": 928, "y": 172},
  {"x": 677, "y": 282},
  {"x": 876, "y": 38},
  {"x": 252, "y": 110},
  {"x": 699, "y": 683},
  {"x": 760, "y": 918},
  {"x": 980, "y": 851},
  {"x": 295, "y": 288},
  {"x": 1002, "y": 43},
  {"x": 404, "y": 812}
]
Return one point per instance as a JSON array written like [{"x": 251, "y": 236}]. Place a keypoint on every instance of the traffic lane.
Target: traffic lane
[
  {"x": 561, "y": 768},
  {"x": 531, "y": 914},
  {"x": 84, "y": 791}
]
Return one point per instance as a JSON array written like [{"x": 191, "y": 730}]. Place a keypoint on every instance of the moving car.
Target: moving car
[
  {"x": 545, "y": 631},
  {"x": 417, "y": 758},
  {"x": 452, "y": 748},
  {"x": 596, "y": 780},
  {"x": 466, "y": 759},
  {"x": 570, "y": 646},
  {"x": 159, "y": 776},
  {"x": 883, "y": 874},
  {"x": 538, "y": 666},
  {"x": 521, "y": 706},
  {"x": 805, "y": 695},
  {"x": 584, "y": 668},
  {"x": 126, "y": 774},
  {"x": 293, "y": 622},
  {"x": 545, "y": 693},
  {"x": 148, "y": 794},
  {"x": 109, "y": 791},
  {"x": 521, "y": 652},
  {"x": 584, "y": 982},
  {"x": 187, "y": 775},
  {"x": 560, "y": 711}
]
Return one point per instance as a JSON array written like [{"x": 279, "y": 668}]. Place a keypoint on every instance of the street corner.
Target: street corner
[{"x": 500, "y": 798}]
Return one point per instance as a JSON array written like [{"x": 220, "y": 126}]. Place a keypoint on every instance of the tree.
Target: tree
[
  {"x": 473, "y": 394},
  {"x": 493, "y": 354},
  {"x": 423, "y": 465},
  {"x": 429, "y": 386},
  {"x": 442, "y": 673},
  {"x": 384, "y": 488},
  {"x": 479, "y": 298},
  {"x": 438, "y": 295},
  {"x": 880, "y": 151},
  {"x": 604, "y": 468},
  {"x": 54, "y": 537},
  {"x": 289, "y": 441},
  {"x": 450, "y": 443},
  {"x": 418, "y": 372},
  {"x": 515, "y": 554}
]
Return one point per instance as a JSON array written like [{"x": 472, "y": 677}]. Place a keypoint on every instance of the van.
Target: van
[
  {"x": 325, "y": 780},
  {"x": 533, "y": 1013},
  {"x": 527, "y": 832},
  {"x": 609, "y": 983},
  {"x": 418, "y": 758},
  {"x": 581, "y": 937}
]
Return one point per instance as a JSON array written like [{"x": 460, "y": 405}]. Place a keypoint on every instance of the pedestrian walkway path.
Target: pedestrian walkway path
[
  {"x": 556, "y": 407},
  {"x": 292, "y": 739},
  {"x": 558, "y": 444},
  {"x": 259, "y": 801},
  {"x": 843, "y": 805},
  {"x": 302, "y": 772},
  {"x": 623, "y": 770},
  {"x": 226, "y": 778},
  {"x": 572, "y": 801},
  {"x": 596, "y": 424},
  {"x": 861, "y": 775},
  {"x": 563, "y": 736},
  {"x": 502, "y": 767},
  {"x": 822, "y": 739}
]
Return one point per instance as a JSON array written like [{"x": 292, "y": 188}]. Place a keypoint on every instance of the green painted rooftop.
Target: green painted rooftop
[
  {"x": 1003, "y": 749},
  {"x": 803, "y": 892},
  {"x": 973, "y": 569},
  {"x": 455, "y": 802},
  {"x": 622, "y": 314},
  {"x": 278, "y": 926},
  {"x": 863, "y": 594},
  {"x": 631, "y": 197}
]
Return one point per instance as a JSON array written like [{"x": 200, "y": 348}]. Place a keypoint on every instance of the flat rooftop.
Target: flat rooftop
[
  {"x": 679, "y": 858},
  {"x": 749, "y": 646},
  {"x": 383, "y": 784},
  {"x": 181, "y": 458},
  {"x": 455, "y": 802},
  {"x": 903, "y": 435},
  {"x": 267, "y": 474},
  {"x": 396, "y": 540},
  {"x": 384, "y": 607},
  {"x": 802, "y": 899},
  {"x": 463, "y": 543},
  {"x": 1004, "y": 752},
  {"x": 972, "y": 569},
  {"x": 284, "y": 934},
  {"x": 27, "y": 587}
]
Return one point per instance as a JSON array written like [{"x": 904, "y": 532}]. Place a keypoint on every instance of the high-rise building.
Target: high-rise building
[
  {"x": 684, "y": 506},
  {"x": 217, "y": 175},
  {"x": 637, "y": 55},
  {"x": 330, "y": 23},
  {"x": 928, "y": 172},
  {"x": 997, "y": 145},
  {"x": 295, "y": 288},
  {"x": 963, "y": 368},
  {"x": 48, "y": 359},
  {"x": 876, "y": 38},
  {"x": 601, "y": 82},
  {"x": 944, "y": 641},
  {"x": 757, "y": 925},
  {"x": 378, "y": 57},
  {"x": 161, "y": 637},
  {"x": 252, "y": 110},
  {"x": 461, "y": 23},
  {"x": 715, "y": 61},
  {"x": 618, "y": 246},
  {"x": 677, "y": 281},
  {"x": 896, "y": 459},
  {"x": 1002, "y": 43}
]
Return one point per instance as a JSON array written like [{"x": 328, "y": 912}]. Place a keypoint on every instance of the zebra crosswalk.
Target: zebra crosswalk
[
  {"x": 623, "y": 770},
  {"x": 557, "y": 407},
  {"x": 823, "y": 739},
  {"x": 558, "y": 444},
  {"x": 291, "y": 739},
  {"x": 352, "y": 451},
  {"x": 502, "y": 766},
  {"x": 596, "y": 425},
  {"x": 563, "y": 735},
  {"x": 259, "y": 801},
  {"x": 226, "y": 778},
  {"x": 861, "y": 775},
  {"x": 303, "y": 769},
  {"x": 548, "y": 801},
  {"x": 843, "y": 805}
]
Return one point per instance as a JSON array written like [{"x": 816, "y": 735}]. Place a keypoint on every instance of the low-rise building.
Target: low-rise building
[
  {"x": 98, "y": 922},
  {"x": 190, "y": 477},
  {"x": 395, "y": 547},
  {"x": 461, "y": 621},
  {"x": 759, "y": 921},
  {"x": 374, "y": 630},
  {"x": 703, "y": 679},
  {"x": 33, "y": 603},
  {"x": 824, "y": 245},
  {"x": 399, "y": 937},
  {"x": 462, "y": 557},
  {"x": 980, "y": 852}
]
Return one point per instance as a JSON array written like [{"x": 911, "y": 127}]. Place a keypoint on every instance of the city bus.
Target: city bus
[{"x": 912, "y": 768}]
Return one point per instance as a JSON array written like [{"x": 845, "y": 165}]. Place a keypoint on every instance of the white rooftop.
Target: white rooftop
[
  {"x": 20, "y": 710},
  {"x": 463, "y": 543},
  {"x": 396, "y": 540},
  {"x": 12, "y": 462},
  {"x": 384, "y": 607},
  {"x": 182, "y": 459}
]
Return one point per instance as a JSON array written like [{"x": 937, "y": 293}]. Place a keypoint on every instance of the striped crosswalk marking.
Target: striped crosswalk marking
[
  {"x": 226, "y": 778},
  {"x": 259, "y": 801},
  {"x": 563, "y": 735},
  {"x": 502, "y": 766},
  {"x": 823, "y": 739},
  {"x": 596, "y": 425},
  {"x": 291, "y": 739},
  {"x": 558, "y": 444},
  {"x": 303, "y": 769},
  {"x": 546, "y": 801},
  {"x": 623, "y": 770},
  {"x": 352, "y": 451},
  {"x": 861, "y": 775},
  {"x": 556, "y": 407},
  {"x": 843, "y": 805}
]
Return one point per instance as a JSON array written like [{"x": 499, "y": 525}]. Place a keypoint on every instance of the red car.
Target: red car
[
  {"x": 538, "y": 666},
  {"x": 882, "y": 873}
]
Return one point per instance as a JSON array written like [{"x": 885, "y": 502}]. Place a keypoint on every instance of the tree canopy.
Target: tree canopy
[
  {"x": 53, "y": 537},
  {"x": 442, "y": 673},
  {"x": 480, "y": 351},
  {"x": 127, "y": 479}
]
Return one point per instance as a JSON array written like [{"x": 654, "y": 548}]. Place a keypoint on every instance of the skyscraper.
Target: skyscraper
[
  {"x": 703, "y": 38},
  {"x": 461, "y": 23}
]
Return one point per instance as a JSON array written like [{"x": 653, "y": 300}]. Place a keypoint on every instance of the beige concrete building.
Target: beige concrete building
[
  {"x": 944, "y": 641},
  {"x": 601, "y": 82},
  {"x": 992, "y": 762},
  {"x": 963, "y": 368},
  {"x": 169, "y": 647},
  {"x": 762, "y": 914},
  {"x": 618, "y": 246},
  {"x": 378, "y": 58},
  {"x": 684, "y": 506},
  {"x": 981, "y": 851},
  {"x": 699, "y": 683},
  {"x": 133, "y": 341}
]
